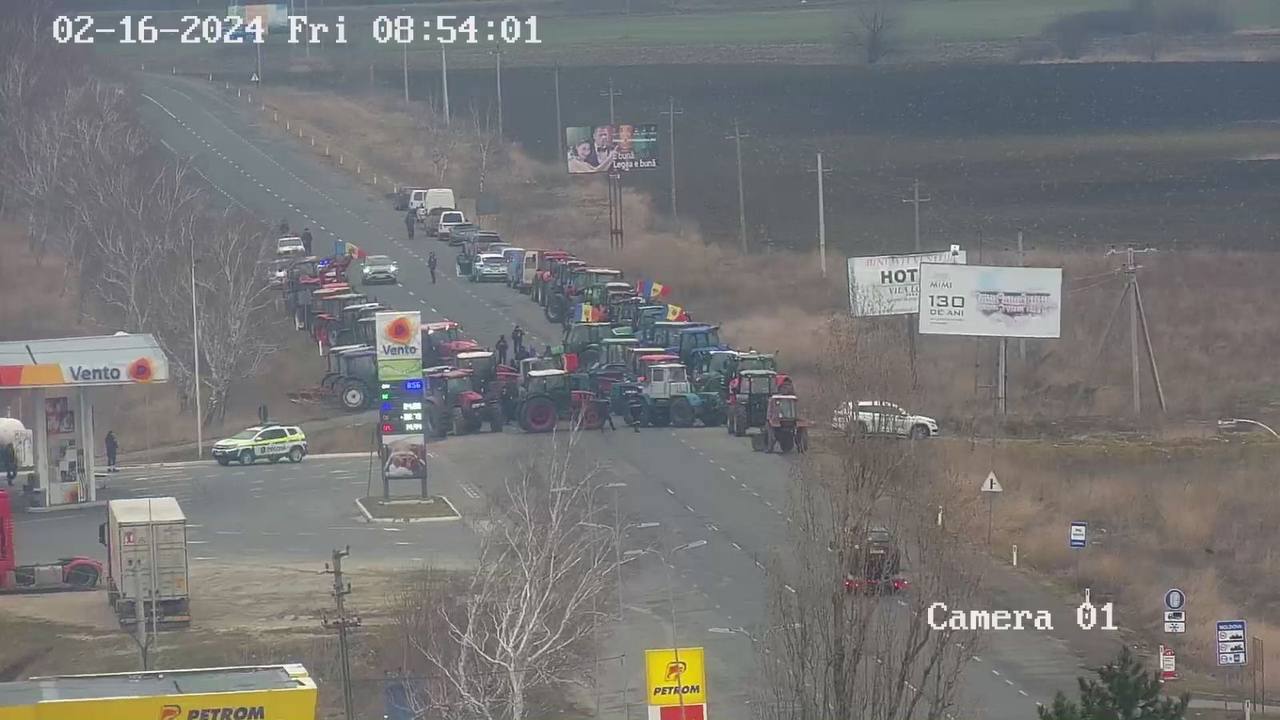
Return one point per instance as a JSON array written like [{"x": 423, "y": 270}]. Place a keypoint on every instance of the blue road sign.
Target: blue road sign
[
  {"x": 1174, "y": 599},
  {"x": 1232, "y": 643},
  {"x": 1079, "y": 535}
]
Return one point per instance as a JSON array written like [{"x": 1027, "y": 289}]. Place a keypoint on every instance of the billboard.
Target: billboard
[
  {"x": 606, "y": 148},
  {"x": 890, "y": 284},
  {"x": 399, "y": 338},
  {"x": 271, "y": 16},
  {"x": 987, "y": 301},
  {"x": 404, "y": 457},
  {"x": 676, "y": 676}
]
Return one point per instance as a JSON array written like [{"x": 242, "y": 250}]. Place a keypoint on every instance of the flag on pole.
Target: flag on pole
[
  {"x": 676, "y": 313},
  {"x": 650, "y": 289}
]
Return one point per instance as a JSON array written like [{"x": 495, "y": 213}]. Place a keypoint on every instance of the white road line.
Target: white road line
[
  {"x": 995, "y": 672},
  {"x": 227, "y": 532},
  {"x": 689, "y": 508},
  {"x": 197, "y": 542},
  {"x": 1023, "y": 693},
  {"x": 736, "y": 546},
  {"x": 790, "y": 589},
  {"x": 204, "y": 558}
]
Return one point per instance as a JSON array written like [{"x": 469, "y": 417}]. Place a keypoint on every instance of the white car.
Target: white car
[
  {"x": 875, "y": 417},
  {"x": 488, "y": 266},
  {"x": 290, "y": 247},
  {"x": 448, "y": 219}
]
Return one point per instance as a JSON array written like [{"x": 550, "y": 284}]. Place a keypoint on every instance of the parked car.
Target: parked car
[
  {"x": 379, "y": 269},
  {"x": 449, "y": 219},
  {"x": 290, "y": 246},
  {"x": 430, "y": 219},
  {"x": 403, "y": 197},
  {"x": 461, "y": 233},
  {"x": 875, "y": 417},
  {"x": 487, "y": 267},
  {"x": 272, "y": 442}
]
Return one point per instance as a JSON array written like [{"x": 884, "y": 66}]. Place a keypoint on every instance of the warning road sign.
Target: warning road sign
[
  {"x": 676, "y": 676},
  {"x": 991, "y": 484}
]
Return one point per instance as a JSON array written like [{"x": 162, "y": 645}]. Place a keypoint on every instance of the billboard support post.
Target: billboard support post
[
  {"x": 915, "y": 200},
  {"x": 615, "y": 210},
  {"x": 1022, "y": 261},
  {"x": 1002, "y": 375}
]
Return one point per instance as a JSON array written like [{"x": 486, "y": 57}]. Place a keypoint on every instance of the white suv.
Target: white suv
[{"x": 874, "y": 417}]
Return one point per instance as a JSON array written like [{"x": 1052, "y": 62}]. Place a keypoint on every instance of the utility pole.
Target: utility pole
[
  {"x": 611, "y": 93},
  {"x": 915, "y": 200},
  {"x": 671, "y": 112},
  {"x": 195, "y": 360},
  {"x": 341, "y": 624},
  {"x": 622, "y": 618},
  {"x": 1137, "y": 319},
  {"x": 737, "y": 137},
  {"x": 444, "y": 86},
  {"x": 822, "y": 217},
  {"x": 497, "y": 53},
  {"x": 559, "y": 124},
  {"x": 404, "y": 65},
  {"x": 306, "y": 7}
]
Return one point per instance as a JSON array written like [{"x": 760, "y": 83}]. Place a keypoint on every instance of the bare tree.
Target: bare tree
[
  {"x": 486, "y": 143},
  {"x": 873, "y": 27},
  {"x": 440, "y": 140},
  {"x": 834, "y": 649},
  {"x": 519, "y": 621}
]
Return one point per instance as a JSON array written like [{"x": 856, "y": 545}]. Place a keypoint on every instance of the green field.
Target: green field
[{"x": 922, "y": 22}]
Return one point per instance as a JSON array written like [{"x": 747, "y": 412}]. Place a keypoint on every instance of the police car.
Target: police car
[{"x": 262, "y": 442}]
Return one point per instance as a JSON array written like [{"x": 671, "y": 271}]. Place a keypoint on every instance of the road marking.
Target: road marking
[
  {"x": 975, "y": 657},
  {"x": 204, "y": 558},
  {"x": 689, "y": 508},
  {"x": 1023, "y": 693},
  {"x": 227, "y": 532},
  {"x": 304, "y": 534},
  {"x": 197, "y": 542},
  {"x": 404, "y": 543},
  {"x": 670, "y": 491},
  {"x": 1008, "y": 682},
  {"x": 995, "y": 672},
  {"x": 789, "y": 589},
  {"x": 392, "y": 529},
  {"x": 736, "y": 546}
]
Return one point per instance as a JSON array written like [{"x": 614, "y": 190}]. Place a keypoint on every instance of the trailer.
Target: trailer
[
  {"x": 147, "y": 571},
  {"x": 72, "y": 573},
  {"x": 263, "y": 692}
]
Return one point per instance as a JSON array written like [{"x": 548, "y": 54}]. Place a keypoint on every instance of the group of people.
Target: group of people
[
  {"x": 306, "y": 238},
  {"x": 501, "y": 347}
]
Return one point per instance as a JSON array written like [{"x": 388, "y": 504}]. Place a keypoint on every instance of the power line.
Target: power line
[{"x": 821, "y": 171}]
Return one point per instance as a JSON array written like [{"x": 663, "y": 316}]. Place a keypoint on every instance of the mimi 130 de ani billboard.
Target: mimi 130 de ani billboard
[{"x": 990, "y": 301}]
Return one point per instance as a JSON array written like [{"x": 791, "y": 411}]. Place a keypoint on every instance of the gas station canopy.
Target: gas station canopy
[{"x": 120, "y": 359}]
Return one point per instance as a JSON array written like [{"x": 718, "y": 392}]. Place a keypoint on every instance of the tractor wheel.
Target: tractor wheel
[
  {"x": 769, "y": 438},
  {"x": 730, "y": 422},
  {"x": 681, "y": 412},
  {"x": 588, "y": 418},
  {"x": 659, "y": 417},
  {"x": 739, "y": 421},
  {"x": 919, "y": 432},
  {"x": 496, "y": 420},
  {"x": 714, "y": 418},
  {"x": 555, "y": 309},
  {"x": 354, "y": 395},
  {"x": 435, "y": 424},
  {"x": 538, "y": 415},
  {"x": 458, "y": 422},
  {"x": 802, "y": 440},
  {"x": 786, "y": 440},
  {"x": 83, "y": 577}
]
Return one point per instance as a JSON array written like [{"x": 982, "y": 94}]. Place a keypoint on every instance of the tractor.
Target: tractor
[
  {"x": 573, "y": 285},
  {"x": 634, "y": 367},
  {"x": 749, "y": 400},
  {"x": 613, "y": 352},
  {"x": 583, "y": 340},
  {"x": 442, "y": 341},
  {"x": 349, "y": 330},
  {"x": 454, "y": 405},
  {"x": 710, "y": 368},
  {"x": 554, "y": 294},
  {"x": 752, "y": 360},
  {"x": 664, "y": 333},
  {"x": 645, "y": 316},
  {"x": 350, "y": 380},
  {"x": 783, "y": 427},
  {"x": 545, "y": 399},
  {"x": 668, "y": 400},
  {"x": 697, "y": 337},
  {"x": 498, "y": 383},
  {"x": 874, "y": 565},
  {"x": 545, "y": 272}
]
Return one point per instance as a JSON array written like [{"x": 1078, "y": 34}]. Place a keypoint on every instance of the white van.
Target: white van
[{"x": 433, "y": 198}]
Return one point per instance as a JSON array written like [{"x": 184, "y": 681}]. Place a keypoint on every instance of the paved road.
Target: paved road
[{"x": 699, "y": 483}]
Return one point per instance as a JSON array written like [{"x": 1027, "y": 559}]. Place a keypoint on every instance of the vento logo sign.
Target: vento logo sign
[
  {"x": 242, "y": 712},
  {"x": 399, "y": 335}
]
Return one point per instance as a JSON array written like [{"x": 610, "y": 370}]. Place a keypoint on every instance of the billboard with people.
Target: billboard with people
[{"x": 611, "y": 148}]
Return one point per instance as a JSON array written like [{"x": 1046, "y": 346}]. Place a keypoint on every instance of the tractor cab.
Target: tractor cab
[
  {"x": 546, "y": 382},
  {"x": 531, "y": 364},
  {"x": 583, "y": 340},
  {"x": 586, "y": 278},
  {"x": 749, "y": 394},
  {"x": 442, "y": 341},
  {"x": 613, "y": 350},
  {"x": 664, "y": 333},
  {"x": 349, "y": 325},
  {"x": 783, "y": 408},
  {"x": 646, "y": 362},
  {"x": 635, "y": 352},
  {"x": 622, "y": 309},
  {"x": 696, "y": 338},
  {"x": 710, "y": 367},
  {"x": 483, "y": 363},
  {"x": 352, "y": 376},
  {"x": 762, "y": 361},
  {"x": 647, "y": 315},
  {"x": 874, "y": 565},
  {"x": 664, "y": 380},
  {"x": 457, "y": 406}
]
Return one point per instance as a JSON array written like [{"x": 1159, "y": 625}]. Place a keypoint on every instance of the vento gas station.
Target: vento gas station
[{"x": 57, "y": 380}]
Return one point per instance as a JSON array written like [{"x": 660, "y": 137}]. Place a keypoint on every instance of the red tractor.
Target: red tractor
[
  {"x": 498, "y": 383},
  {"x": 783, "y": 429},
  {"x": 442, "y": 341},
  {"x": 452, "y": 405},
  {"x": 73, "y": 573}
]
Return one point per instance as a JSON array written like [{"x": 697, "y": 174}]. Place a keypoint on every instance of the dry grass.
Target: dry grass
[
  {"x": 35, "y": 303},
  {"x": 1196, "y": 515}
]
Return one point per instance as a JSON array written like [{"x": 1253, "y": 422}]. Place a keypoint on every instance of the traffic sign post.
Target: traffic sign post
[
  {"x": 1175, "y": 621},
  {"x": 1168, "y": 664},
  {"x": 1174, "y": 599},
  {"x": 991, "y": 487},
  {"x": 1231, "y": 644},
  {"x": 1079, "y": 537}
]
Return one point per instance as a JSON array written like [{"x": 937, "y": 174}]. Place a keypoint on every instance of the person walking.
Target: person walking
[
  {"x": 113, "y": 446},
  {"x": 431, "y": 264},
  {"x": 306, "y": 241},
  {"x": 602, "y": 407},
  {"x": 501, "y": 347},
  {"x": 517, "y": 338},
  {"x": 410, "y": 223},
  {"x": 9, "y": 462}
]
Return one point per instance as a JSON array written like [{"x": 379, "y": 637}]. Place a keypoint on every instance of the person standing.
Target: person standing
[
  {"x": 431, "y": 263},
  {"x": 517, "y": 339},
  {"x": 602, "y": 407},
  {"x": 113, "y": 446},
  {"x": 9, "y": 462},
  {"x": 306, "y": 241},
  {"x": 501, "y": 347},
  {"x": 410, "y": 223}
]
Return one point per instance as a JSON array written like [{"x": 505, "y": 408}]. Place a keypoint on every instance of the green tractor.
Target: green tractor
[
  {"x": 583, "y": 340},
  {"x": 749, "y": 400},
  {"x": 711, "y": 369},
  {"x": 668, "y": 400}
]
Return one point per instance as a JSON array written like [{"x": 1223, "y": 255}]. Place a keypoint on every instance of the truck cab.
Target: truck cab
[
  {"x": 664, "y": 332},
  {"x": 666, "y": 380}
]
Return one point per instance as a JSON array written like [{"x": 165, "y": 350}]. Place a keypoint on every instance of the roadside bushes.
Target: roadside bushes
[{"x": 1071, "y": 34}]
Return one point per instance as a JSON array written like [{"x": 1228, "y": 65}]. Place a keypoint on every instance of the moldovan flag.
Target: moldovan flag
[
  {"x": 676, "y": 313},
  {"x": 583, "y": 312},
  {"x": 356, "y": 251},
  {"x": 651, "y": 289}
]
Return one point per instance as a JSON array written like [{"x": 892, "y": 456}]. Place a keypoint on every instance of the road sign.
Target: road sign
[
  {"x": 1232, "y": 643},
  {"x": 1174, "y": 599},
  {"x": 675, "y": 712},
  {"x": 676, "y": 677},
  {"x": 991, "y": 484},
  {"x": 1079, "y": 535},
  {"x": 1168, "y": 664},
  {"x": 253, "y": 78},
  {"x": 1175, "y": 621}
]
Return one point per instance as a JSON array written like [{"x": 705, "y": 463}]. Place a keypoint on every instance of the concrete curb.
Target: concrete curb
[
  {"x": 79, "y": 506},
  {"x": 195, "y": 463},
  {"x": 393, "y": 521}
]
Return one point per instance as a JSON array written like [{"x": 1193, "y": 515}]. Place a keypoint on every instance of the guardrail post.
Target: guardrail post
[{"x": 1015, "y": 556}]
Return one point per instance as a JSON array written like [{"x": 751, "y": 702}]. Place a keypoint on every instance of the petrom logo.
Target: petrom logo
[{"x": 243, "y": 712}]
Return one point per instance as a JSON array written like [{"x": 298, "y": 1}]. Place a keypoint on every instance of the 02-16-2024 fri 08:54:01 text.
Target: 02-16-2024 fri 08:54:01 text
[{"x": 232, "y": 30}]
